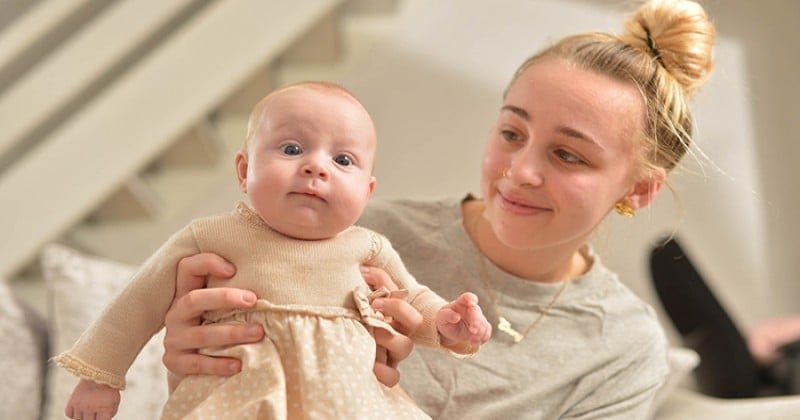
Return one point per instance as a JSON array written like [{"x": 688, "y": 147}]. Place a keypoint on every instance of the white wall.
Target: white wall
[{"x": 434, "y": 91}]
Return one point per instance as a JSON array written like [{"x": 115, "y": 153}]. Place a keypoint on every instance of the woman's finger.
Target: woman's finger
[
  {"x": 197, "y": 364},
  {"x": 386, "y": 375},
  {"x": 211, "y": 335},
  {"x": 194, "y": 303},
  {"x": 397, "y": 346},
  {"x": 185, "y": 334},
  {"x": 405, "y": 318},
  {"x": 377, "y": 278},
  {"x": 193, "y": 271}
]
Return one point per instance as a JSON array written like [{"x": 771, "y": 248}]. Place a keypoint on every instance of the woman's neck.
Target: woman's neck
[{"x": 546, "y": 265}]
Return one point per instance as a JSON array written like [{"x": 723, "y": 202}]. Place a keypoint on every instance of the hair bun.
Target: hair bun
[{"x": 679, "y": 34}]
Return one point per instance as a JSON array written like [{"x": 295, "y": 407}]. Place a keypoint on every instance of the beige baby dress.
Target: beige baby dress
[{"x": 317, "y": 357}]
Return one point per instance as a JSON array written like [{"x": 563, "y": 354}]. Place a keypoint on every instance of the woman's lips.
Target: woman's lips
[{"x": 518, "y": 206}]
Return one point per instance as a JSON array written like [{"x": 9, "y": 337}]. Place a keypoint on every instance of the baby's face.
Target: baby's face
[{"x": 308, "y": 167}]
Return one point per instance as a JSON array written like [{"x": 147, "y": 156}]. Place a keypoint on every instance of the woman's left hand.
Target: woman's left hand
[{"x": 403, "y": 318}]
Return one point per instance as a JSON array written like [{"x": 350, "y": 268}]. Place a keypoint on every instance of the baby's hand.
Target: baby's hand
[
  {"x": 90, "y": 400},
  {"x": 462, "y": 321}
]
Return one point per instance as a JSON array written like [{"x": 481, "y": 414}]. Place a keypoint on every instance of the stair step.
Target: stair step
[
  {"x": 242, "y": 100},
  {"x": 200, "y": 145},
  {"x": 134, "y": 200},
  {"x": 38, "y": 30},
  {"x": 83, "y": 65},
  {"x": 360, "y": 34},
  {"x": 321, "y": 45},
  {"x": 354, "y": 7},
  {"x": 184, "y": 191}
]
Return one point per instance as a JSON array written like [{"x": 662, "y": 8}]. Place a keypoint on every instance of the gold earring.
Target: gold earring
[
  {"x": 624, "y": 209},
  {"x": 506, "y": 171}
]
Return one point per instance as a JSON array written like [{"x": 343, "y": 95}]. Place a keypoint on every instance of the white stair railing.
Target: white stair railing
[
  {"x": 37, "y": 29},
  {"x": 55, "y": 185},
  {"x": 55, "y": 84}
]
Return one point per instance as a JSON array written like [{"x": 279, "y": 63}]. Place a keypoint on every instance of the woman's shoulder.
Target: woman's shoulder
[
  {"x": 625, "y": 312},
  {"x": 403, "y": 219}
]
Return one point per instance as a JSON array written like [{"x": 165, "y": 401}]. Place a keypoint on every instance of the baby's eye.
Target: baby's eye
[
  {"x": 292, "y": 149},
  {"x": 568, "y": 157},
  {"x": 343, "y": 160}
]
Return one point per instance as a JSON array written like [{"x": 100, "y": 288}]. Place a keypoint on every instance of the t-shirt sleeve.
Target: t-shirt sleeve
[{"x": 626, "y": 387}]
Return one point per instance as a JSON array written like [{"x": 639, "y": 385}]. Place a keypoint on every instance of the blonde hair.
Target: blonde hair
[{"x": 665, "y": 51}]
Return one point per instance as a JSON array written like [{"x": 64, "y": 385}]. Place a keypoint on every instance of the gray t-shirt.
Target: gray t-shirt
[{"x": 600, "y": 353}]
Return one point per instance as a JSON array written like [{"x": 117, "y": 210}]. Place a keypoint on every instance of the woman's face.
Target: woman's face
[{"x": 560, "y": 155}]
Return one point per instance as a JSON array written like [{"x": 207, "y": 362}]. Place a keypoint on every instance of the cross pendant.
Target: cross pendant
[{"x": 505, "y": 326}]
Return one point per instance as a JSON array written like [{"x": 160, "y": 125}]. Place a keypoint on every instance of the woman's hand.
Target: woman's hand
[
  {"x": 402, "y": 316},
  {"x": 184, "y": 334}
]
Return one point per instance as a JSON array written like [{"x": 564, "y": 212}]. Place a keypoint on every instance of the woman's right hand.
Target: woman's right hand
[{"x": 184, "y": 332}]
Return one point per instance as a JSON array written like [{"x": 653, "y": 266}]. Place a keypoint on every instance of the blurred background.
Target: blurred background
[{"x": 119, "y": 120}]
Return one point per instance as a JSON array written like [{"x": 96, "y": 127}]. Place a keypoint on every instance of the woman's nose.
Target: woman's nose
[{"x": 526, "y": 171}]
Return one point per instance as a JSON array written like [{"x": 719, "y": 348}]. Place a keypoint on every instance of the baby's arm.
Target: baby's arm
[
  {"x": 91, "y": 400},
  {"x": 462, "y": 321},
  {"x": 443, "y": 324}
]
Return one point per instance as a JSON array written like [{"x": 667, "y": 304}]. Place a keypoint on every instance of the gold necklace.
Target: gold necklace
[{"x": 502, "y": 323}]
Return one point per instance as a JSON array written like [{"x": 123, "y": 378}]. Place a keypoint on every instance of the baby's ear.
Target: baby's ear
[
  {"x": 241, "y": 169},
  {"x": 645, "y": 190},
  {"x": 372, "y": 182}
]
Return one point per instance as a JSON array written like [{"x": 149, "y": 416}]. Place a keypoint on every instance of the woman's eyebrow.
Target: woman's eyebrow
[
  {"x": 516, "y": 110},
  {"x": 579, "y": 135},
  {"x": 567, "y": 131}
]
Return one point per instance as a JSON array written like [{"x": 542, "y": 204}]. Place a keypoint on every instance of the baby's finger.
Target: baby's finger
[
  {"x": 469, "y": 299},
  {"x": 477, "y": 321},
  {"x": 475, "y": 315},
  {"x": 450, "y": 316}
]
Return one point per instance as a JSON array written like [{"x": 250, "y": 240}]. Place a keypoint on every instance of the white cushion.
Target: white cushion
[
  {"x": 22, "y": 349},
  {"x": 681, "y": 362},
  {"x": 79, "y": 287}
]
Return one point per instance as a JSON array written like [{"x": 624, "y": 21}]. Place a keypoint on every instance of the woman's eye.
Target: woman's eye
[
  {"x": 568, "y": 157},
  {"x": 292, "y": 149},
  {"x": 343, "y": 160},
  {"x": 509, "y": 135}
]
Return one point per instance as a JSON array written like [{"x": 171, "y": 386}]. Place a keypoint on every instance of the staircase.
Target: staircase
[{"x": 121, "y": 117}]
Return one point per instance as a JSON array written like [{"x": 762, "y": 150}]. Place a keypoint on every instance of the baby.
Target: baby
[{"x": 306, "y": 169}]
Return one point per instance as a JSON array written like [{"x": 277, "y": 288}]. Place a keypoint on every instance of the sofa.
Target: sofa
[{"x": 77, "y": 286}]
